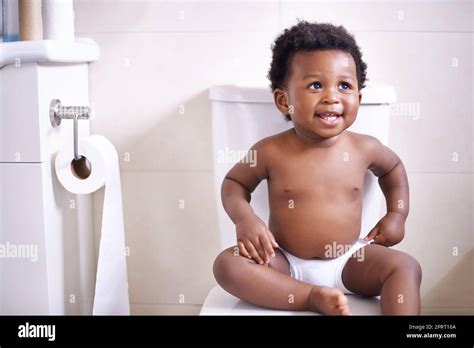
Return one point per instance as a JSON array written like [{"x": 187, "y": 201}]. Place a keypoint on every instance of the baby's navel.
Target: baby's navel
[{"x": 287, "y": 189}]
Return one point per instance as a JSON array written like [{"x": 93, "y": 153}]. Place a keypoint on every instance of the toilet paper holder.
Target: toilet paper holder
[{"x": 58, "y": 112}]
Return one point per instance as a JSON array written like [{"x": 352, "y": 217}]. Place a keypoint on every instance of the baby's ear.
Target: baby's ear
[{"x": 281, "y": 101}]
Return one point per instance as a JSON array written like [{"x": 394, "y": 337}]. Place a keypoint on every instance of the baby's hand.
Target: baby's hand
[
  {"x": 255, "y": 240},
  {"x": 389, "y": 231}
]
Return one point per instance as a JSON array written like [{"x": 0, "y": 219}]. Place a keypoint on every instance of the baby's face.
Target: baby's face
[{"x": 324, "y": 93}]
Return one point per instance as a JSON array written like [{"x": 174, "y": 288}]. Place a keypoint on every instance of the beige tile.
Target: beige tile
[
  {"x": 166, "y": 16},
  {"x": 171, "y": 248},
  {"x": 439, "y": 226},
  {"x": 383, "y": 15},
  {"x": 438, "y": 138},
  {"x": 455, "y": 289},
  {"x": 150, "y": 93}
]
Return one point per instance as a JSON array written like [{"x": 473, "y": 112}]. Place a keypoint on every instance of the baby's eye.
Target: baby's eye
[
  {"x": 345, "y": 85},
  {"x": 315, "y": 84}
]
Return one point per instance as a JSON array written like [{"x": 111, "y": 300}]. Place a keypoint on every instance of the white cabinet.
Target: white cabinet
[{"x": 47, "y": 261}]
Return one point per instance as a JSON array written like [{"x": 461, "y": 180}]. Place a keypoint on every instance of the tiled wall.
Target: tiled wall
[{"x": 149, "y": 89}]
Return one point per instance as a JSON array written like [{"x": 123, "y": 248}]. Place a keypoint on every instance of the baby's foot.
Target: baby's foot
[{"x": 330, "y": 301}]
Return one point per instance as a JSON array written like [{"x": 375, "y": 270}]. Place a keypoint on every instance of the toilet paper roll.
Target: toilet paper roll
[
  {"x": 111, "y": 290},
  {"x": 58, "y": 20}
]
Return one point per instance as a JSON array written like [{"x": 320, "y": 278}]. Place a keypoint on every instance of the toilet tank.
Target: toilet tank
[{"x": 243, "y": 115}]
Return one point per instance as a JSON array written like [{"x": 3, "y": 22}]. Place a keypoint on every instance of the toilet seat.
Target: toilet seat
[{"x": 220, "y": 302}]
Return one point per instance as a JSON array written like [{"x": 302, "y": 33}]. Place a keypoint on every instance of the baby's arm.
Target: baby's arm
[
  {"x": 393, "y": 181},
  {"x": 253, "y": 237}
]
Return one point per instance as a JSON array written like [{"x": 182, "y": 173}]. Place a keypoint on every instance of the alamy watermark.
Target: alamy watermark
[
  {"x": 232, "y": 156},
  {"x": 335, "y": 250},
  {"x": 406, "y": 109},
  {"x": 28, "y": 330},
  {"x": 19, "y": 251}
]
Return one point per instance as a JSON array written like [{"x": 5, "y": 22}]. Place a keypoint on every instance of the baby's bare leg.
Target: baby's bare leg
[
  {"x": 394, "y": 275},
  {"x": 272, "y": 287}
]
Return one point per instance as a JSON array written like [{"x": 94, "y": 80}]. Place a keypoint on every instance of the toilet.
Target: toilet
[{"x": 241, "y": 116}]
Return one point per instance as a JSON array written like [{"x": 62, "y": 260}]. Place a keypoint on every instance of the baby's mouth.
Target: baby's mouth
[{"x": 330, "y": 117}]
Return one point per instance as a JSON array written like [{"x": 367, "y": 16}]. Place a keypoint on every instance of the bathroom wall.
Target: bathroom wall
[{"x": 149, "y": 91}]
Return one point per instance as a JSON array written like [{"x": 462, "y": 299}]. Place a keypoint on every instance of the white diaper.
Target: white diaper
[{"x": 326, "y": 272}]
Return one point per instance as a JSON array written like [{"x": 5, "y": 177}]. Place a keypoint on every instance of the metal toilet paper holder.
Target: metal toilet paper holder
[{"x": 57, "y": 112}]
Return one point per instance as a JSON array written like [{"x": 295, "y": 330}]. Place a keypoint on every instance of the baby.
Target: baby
[{"x": 309, "y": 256}]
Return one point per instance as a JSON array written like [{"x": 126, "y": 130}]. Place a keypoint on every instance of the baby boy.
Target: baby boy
[{"x": 309, "y": 255}]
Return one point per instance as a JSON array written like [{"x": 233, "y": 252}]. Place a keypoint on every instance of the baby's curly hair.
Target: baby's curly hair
[{"x": 306, "y": 36}]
